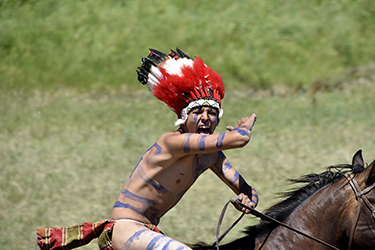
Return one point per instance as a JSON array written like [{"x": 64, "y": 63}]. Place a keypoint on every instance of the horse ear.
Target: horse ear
[
  {"x": 358, "y": 159},
  {"x": 371, "y": 177}
]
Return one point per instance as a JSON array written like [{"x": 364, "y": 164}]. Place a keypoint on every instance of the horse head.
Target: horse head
[{"x": 361, "y": 234}]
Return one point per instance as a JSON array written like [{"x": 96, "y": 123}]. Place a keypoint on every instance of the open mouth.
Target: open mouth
[{"x": 204, "y": 130}]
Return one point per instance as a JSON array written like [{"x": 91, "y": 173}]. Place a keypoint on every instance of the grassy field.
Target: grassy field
[
  {"x": 94, "y": 44},
  {"x": 65, "y": 155}
]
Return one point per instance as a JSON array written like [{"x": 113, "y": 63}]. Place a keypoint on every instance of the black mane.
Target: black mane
[{"x": 294, "y": 198}]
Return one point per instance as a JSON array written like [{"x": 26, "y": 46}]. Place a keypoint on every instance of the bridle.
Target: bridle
[{"x": 359, "y": 195}]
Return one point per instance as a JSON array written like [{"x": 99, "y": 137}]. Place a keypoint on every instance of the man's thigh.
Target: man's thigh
[{"x": 132, "y": 235}]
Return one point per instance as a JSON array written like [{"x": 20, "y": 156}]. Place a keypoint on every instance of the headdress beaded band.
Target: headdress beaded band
[{"x": 181, "y": 82}]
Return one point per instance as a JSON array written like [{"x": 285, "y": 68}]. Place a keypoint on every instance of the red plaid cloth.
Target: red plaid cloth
[
  {"x": 65, "y": 238},
  {"x": 71, "y": 237}
]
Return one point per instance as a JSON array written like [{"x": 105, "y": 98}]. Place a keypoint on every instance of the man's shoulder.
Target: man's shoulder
[
  {"x": 169, "y": 134},
  {"x": 168, "y": 137}
]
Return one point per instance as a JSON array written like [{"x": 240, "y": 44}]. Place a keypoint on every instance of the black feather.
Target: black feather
[
  {"x": 156, "y": 56},
  {"x": 142, "y": 78},
  {"x": 174, "y": 53},
  {"x": 182, "y": 54},
  {"x": 146, "y": 63},
  {"x": 144, "y": 70}
]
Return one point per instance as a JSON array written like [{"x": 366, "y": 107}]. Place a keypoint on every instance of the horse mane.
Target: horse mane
[{"x": 294, "y": 197}]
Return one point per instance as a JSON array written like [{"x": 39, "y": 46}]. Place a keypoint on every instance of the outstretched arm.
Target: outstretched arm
[{"x": 194, "y": 143}]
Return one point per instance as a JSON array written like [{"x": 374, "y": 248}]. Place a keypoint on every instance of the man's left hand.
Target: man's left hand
[{"x": 251, "y": 201}]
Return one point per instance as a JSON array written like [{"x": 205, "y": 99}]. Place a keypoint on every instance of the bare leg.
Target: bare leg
[{"x": 132, "y": 235}]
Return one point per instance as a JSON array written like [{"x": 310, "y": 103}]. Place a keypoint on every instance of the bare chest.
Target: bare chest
[{"x": 183, "y": 173}]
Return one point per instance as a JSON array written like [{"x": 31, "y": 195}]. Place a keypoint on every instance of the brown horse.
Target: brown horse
[{"x": 336, "y": 206}]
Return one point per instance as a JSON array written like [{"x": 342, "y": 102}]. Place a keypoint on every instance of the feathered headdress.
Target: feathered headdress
[{"x": 181, "y": 82}]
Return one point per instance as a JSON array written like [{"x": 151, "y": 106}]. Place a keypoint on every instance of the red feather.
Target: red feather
[{"x": 196, "y": 82}]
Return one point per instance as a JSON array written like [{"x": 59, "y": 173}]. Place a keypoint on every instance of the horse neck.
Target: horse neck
[{"x": 321, "y": 216}]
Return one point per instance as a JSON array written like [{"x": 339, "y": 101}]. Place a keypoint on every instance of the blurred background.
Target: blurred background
[
  {"x": 98, "y": 44},
  {"x": 74, "y": 120}
]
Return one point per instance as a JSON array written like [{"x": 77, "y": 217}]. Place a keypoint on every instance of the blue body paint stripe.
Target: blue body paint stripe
[
  {"x": 255, "y": 196},
  {"x": 136, "y": 167},
  {"x": 126, "y": 205},
  {"x": 227, "y": 167},
  {"x": 126, "y": 193},
  {"x": 241, "y": 131},
  {"x": 154, "y": 184},
  {"x": 202, "y": 142},
  {"x": 152, "y": 243},
  {"x": 153, "y": 211},
  {"x": 140, "y": 161},
  {"x": 186, "y": 143},
  {"x": 134, "y": 237},
  {"x": 195, "y": 117},
  {"x": 158, "y": 150},
  {"x": 166, "y": 246},
  {"x": 220, "y": 139},
  {"x": 180, "y": 248},
  {"x": 235, "y": 177}
]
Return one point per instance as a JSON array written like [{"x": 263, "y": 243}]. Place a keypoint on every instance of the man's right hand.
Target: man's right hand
[{"x": 246, "y": 123}]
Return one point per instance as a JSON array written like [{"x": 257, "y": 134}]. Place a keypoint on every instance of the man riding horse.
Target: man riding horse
[{"x": 173, "y": 163}]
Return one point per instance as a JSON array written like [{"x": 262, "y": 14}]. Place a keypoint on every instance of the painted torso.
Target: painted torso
[{"x": 158, "y": 182}]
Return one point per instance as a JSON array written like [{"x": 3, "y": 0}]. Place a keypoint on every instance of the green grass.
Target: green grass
[
  {"x": 65, "y": 155},
  {"x": 92, "y": 44}
]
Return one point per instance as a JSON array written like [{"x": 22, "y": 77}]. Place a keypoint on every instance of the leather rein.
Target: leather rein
[
  {"x": 360, "y": 195},
  {"x": 263, "y": 217}
]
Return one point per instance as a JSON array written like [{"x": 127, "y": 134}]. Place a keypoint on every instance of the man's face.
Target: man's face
[{"x": 202, "y": 120}]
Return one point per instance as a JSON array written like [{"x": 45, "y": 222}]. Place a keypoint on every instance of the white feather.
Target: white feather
[
  {"x": 151, "y": 82},
  {"x": 155, "y": 72},
  {"x": 152, "y": 78},
  {"x": 173, "y": 66}
]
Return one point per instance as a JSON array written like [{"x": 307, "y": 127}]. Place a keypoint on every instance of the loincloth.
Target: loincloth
[
  {"x": 79, "y": 235},
  {"x": 105, "y": 239}
]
